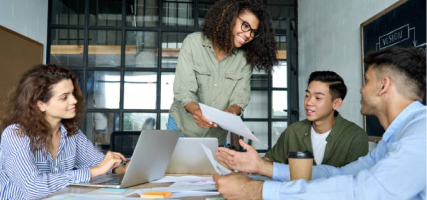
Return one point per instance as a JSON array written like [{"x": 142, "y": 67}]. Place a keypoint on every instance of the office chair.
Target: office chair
[{"x": 124, "y": 142}]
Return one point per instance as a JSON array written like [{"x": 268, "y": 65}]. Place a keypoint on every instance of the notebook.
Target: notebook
[
  {"x": 189, "y": 157},
  {"x": 149, "y": 160}
]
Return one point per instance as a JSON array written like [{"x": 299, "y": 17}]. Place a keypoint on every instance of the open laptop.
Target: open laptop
[
  {"x": 149, "y": 160},
  {"x": 190, "y": 158}
]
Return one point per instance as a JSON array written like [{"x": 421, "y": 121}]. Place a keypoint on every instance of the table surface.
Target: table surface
[{"x": 85, "y": 189}]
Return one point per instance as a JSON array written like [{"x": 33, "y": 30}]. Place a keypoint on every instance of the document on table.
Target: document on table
[
  {"x": 72, "y": 196},
  {"x": 218, "y": 167},
  {"x": 228, "y": 121},
  {"x": 175, "y": 179}
]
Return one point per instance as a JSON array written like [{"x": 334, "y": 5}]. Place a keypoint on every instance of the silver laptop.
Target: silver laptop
[
  {"x": 149, "y": 160},
  {"x": 189, "y": 157}
]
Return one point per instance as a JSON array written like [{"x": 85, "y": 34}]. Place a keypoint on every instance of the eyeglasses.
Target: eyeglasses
[{"x": 246, "y": 27}]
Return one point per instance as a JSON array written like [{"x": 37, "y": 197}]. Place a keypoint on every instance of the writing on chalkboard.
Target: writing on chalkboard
[{"x": 398, "y": 35}]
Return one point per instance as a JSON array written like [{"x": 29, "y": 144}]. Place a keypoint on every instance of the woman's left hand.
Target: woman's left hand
[{"x": 234, "y": 109}]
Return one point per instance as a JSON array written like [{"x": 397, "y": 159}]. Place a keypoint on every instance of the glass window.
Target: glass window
[
  {"x": 279, "y": 15},
  {"x": 280, "y": 75},
  {"x": 80, "y": 78},
  {"x": 105, "y": 12},
  {"x": 281, "y": 42},
  {"x": 166, "y": 98},
  {"x": 260, "y": 129},
  {"x": 277, "y": 129},
  {"x": 66, "y": 47},
  {"x": 164, "y": 121},
  {"x": 140, "y": 90},
  {"x": 99, "y": 127},
  {"x": 142, "y": 13},
  {"x": 104, "y": 48},
  {"x": 203, "y": 9},
  {"x": 139, "y": 121},
  {"x": 171, "y": 44},
  {"x": 178, "y": 13},
  {"x": 103, "y": 89},
  {"x": 280, "y": 104},
  {"x": 259, "y": 79},
  {"x": 66, "y": 12},
  {"x": 141, "y": 49},
  {"x": 258, "y": 106}
]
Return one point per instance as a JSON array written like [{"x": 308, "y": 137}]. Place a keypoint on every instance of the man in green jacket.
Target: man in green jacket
[{"x": 332, "y": 139}]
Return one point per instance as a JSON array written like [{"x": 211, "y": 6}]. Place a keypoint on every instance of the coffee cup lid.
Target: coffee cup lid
[{"x": 300, "y": 154}]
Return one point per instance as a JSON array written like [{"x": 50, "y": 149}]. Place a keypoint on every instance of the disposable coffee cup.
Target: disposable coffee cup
[{"x": 300, "y": 165}]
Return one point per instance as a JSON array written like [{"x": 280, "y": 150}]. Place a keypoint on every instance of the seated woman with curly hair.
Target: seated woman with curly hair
[
  {"x": 42, "y": 149},
  {"x": 215, "y": 66}
]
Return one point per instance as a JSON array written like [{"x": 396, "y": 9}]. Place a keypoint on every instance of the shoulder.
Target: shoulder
[
  {"x": 345, "y": 126},
  {"x": 299, "y": 126},
  {"x": 195, "y": 38},
  {"x": 78, "y": 136},
  {"x": 13, "y": 135}
]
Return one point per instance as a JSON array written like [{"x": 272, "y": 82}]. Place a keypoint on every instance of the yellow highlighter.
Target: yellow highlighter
[{"x": 155, "y": 194}]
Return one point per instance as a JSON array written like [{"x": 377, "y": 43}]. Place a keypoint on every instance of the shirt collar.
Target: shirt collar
[
  {"x": 64, "y": 131},
  {"x": 208, "y": 43},
  {"x": 398, "y": 123}
]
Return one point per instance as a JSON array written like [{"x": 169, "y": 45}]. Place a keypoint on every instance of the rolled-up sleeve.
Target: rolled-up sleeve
[{"x": 185, "y": 83}]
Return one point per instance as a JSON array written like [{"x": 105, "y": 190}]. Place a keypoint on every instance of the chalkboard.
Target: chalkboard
[{"x": 402, "y": 24}]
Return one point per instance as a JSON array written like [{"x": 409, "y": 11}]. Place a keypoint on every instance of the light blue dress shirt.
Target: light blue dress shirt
[
  {"x": 395, "y": 169},
  {"x": 28, "y": 175}
]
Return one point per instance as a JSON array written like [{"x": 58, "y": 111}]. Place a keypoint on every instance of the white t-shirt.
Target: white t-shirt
[{"x": 318, "y": 141}]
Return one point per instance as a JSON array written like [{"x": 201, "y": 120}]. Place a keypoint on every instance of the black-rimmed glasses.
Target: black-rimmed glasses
[{"x": 246, "y": 27}]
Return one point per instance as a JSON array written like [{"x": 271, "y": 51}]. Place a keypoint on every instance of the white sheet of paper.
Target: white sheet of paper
[
  {"x": 218, "y": 167},
  {"x": 175, "y": 179},
  {"x": 228, "y": 121},
  {"x": 72, "y": 196}
]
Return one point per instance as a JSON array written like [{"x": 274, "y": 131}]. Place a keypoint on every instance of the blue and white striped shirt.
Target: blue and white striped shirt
[{"x": 28, "y": 175}]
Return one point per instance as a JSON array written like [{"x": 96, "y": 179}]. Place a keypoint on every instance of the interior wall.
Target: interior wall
[
  {"x": 27, "y": 17},
  {"x": 329, "y": 39}
]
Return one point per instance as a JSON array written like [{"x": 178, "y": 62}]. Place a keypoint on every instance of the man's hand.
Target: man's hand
[
  {"x": 198, "y": 117},
  {"x": 111, "y": 160},
  {"x": 248, "y": 162},
  {"x": 238, "y": 186}
]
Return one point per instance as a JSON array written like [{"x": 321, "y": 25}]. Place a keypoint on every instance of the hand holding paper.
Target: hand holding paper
[{"x": 228, "y": 122}]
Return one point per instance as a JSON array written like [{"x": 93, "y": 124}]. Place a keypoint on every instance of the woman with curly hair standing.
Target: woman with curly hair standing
[
  {"x": 215, "y": 66},
  {"x": 42, "y": 149}
]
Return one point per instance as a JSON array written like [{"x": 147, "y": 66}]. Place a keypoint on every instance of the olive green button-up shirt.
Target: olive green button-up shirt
[
  {"x": 199, "y": 77},
  {"x": 345, "y": 143}
]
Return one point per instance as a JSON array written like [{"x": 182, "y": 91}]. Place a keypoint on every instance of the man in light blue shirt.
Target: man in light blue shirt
[{"x": 395, "y": 83}]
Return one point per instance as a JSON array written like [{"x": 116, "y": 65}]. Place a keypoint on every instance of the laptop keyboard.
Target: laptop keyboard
[{"x": 107, "y": 179}]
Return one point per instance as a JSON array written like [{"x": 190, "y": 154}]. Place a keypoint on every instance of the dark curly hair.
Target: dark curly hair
[
  {"x": 408, "y": 62},
  {"x": 36, "y": 85},
  {"x": 219, "y": 23}
]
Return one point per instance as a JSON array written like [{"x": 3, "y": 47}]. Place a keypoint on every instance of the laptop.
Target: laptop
[
  {"x": 190, "y": 158},
  {"x": 149, "y": 161}
]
